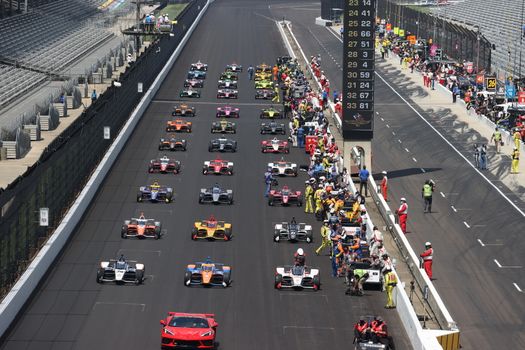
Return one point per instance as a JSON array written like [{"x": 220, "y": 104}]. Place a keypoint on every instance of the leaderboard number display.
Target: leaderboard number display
[{"x": 358, "y": 69}]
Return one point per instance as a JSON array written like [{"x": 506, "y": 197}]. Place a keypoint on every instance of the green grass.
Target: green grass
[{"x": 173, "y": 10}]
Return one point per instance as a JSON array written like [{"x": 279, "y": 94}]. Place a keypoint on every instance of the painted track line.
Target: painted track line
[{"x": 517, "y": 287}]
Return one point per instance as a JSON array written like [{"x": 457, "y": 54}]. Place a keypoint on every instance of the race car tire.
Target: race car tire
[
  {"x": 123, "y": 232},
  {"x": 210, "y": 149},
  {"x": 317, "y": 282},
  {"x": 228, "y": 234},
  {"x": 139, "y": 197},
  {"x": 270, "y": 202},
  {"x": 100, "y": 274},
  {"x": 299, "y": 203},
  {"x": 187, "y": 278},
  {"x": 226, "y": 278},
  {"x": 278, "y": 281},
  {"x": 283, "y": 132},
  {"x": 194, "y": 234},
  {"x": 139, "y": 277},
  {"x": 276, "y": 238},
  {"x": 158, "y": 232},
  {"x": 309, "y": 238}
]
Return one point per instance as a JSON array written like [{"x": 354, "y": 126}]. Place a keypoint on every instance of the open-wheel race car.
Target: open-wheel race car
[
  {"x": 183, "y": 110},
  {"x": 264, "y": 94},
  {"x": 227, "y": 84},
  {"x": 271, "y": 113},
  {"x": 189, "y": 92},
  {"x": 273, "y": 128},
  {"x": 211, "y": 229},
  {"x": 263, "y": 67},
  {"x": 222, "y": 145},
  {"x": 227, "y": 93},
  {"x": 283, "y": 168},
  {"x": 227, "y": 112},
  {"x": 229, "y": 76},
  {"x": 297, "y": 277},
  {"x": 234, "y": 67},
  {"x": 178, "y": 125},
  {"x": 224, "y": 127},
  {"x": 264, "y": 84},
  {"x": 293, "y": 232},
  {"x": 285, "y": 197},
  {"x": 196, "y": 74},
  {"x": 141, "y": 228},
  {"x": 262, "y": 76},
  {"x": 164, "y": 165},
  {"x": 275, "y": 146},
  {"x": 207, "y": 274},
  {"x": 191, "y": 331},
  {"x": 217, "y": 167},
  {"x": 199, "y": 66},
  {"x": 155, "y": 193},
  {"x": 172, "y": 144},
  {"x": 194, "y": 83},
  {"x": 216, "y": 195},
  {"x": 120, "y": 271}
]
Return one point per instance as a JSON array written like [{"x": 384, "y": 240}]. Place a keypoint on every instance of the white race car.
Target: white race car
[
  {"x": 297, "y": 277},
  {"x": 120, "y": 271},
  {"x": 283, "y": 168},
  {"x": 293, "y": 232}
]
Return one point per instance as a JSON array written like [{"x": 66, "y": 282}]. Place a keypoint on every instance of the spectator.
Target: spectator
[{"x": 93, "y": 96}]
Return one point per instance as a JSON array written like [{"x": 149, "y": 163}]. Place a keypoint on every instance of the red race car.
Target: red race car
[
  {"x": 164, "y": 165},
  {"x": 275, "y": 146},
  {"x": 285, "y": 197},
  {"x": 227, "y": 112},
  {"x": 182, "y": 330},
  {"x": 141, "y": 228},
  {"x": 217, "y": 167}
]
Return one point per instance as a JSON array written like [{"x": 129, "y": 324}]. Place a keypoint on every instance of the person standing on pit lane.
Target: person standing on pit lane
[
  {"x": 517, "y": 138},
  {"x": 390, "y": 284},
  {"x": 426, "y": 193},
  {"x": 483, "y": 157},
  {"x": 384, "y": 186},
  {"x": 426, "y": 257},
  {"x": 402, "y": 214},
  {"x": 268, "y": 180},
  {"x": 364, "y": 174},
  {"x": 476, "y": 155},
  {"x": 496, "y": 137},
  {"x": 309, "y": 197},
  {"x": 250, "y": 72},
  {"x": 515, "y": 155}
]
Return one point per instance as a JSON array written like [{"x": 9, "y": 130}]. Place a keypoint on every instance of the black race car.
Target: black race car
[
  {"x": 273, "y": 128},
  {"x": 222, "y": 145}
]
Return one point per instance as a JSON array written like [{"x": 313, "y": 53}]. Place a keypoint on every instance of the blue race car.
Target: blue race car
[
  {"x": 207, "y": 274},
  {"x": 155, "y": 193},
  {"x": 196, "y": 74}
]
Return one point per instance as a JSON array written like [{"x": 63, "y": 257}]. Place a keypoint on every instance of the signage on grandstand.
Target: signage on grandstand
[
  {"x": 358, "y": 69},
  {"x": 521, "y": 97},
  {"x": 491, "y": 83},
  {"x": 44, "y": 217}
]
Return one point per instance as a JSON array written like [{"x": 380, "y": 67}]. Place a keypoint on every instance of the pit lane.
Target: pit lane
[{"x": 71, "y": 311}]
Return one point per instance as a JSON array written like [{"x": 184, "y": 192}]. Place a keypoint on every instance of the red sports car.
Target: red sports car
[
  {"x": 275, "y": 146},
  {"x": 217, "y": 167},
  {"x": 285, "y": 197},
  {"x": 182, "y": 330}
]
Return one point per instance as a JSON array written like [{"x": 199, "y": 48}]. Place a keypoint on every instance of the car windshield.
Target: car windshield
[
  {"x": 141, "y": 222},
  {"x": 211, "y": 223},
  {"x": 216, "y": 190},
  {"x": 188, "y": 322},
  {"x": 286, "y": 192},
  {"x": 208, "y": 268},
  {"x": 297, "y": 270},
  {"x": 275, "y": 142},
  {"x": 164, "y": 161},
  {"x": 120, "y": 265}
]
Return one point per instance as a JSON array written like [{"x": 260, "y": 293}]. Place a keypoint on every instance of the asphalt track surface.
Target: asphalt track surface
[
  {"x": 72, "y": 311},
  {"x": 472, "y": 228}
]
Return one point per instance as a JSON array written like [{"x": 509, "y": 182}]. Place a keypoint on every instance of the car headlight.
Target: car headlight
[
  {"x": 167, "y": 331},
  {"x": 207, "y": 334}
]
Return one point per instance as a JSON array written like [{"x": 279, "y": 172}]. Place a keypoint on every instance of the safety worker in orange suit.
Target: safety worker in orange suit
[
  {"x": 384, "y": 186},
  {"x": 515, "y": 165},
  {"x": 379, "y": 330},
  {"x": 426, "y": 256},
  {"x": 325, "y": 238},
  {"x": 361, "y": 329},
  {"x": 275, "y": 71},
  {"x": 402, "y": 213},
  {"x": 309, "y": 196},
  {"x": 390, "y": 284}
]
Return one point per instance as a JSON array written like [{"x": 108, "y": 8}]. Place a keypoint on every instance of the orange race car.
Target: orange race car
[
  {"x": 178, "y": 125},
  {"x": 141, "y": 228},
  {"x": 211, "y": 229}
]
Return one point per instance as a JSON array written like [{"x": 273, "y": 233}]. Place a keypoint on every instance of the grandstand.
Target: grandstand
[{"x": 501, "y": 22}]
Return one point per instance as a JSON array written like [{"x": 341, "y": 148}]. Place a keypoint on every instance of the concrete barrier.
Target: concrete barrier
[{"x": 25, "y": 286}]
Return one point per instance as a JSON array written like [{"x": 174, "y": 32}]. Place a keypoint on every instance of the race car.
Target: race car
[
  {"x": 227, "y": 84},
  {"x": 227, "y": 112},
  {"x": 217, "y": 167},
  {"x": 234, "y": 67},
  {"x": 215, "y": 195},
  {"x": 227, "y": 93},
  {"x": 178, "y": 125},
  {"x": 273, "y": 128},
  {"x": 211, "y": 229},
  {"x": 275, "y": 146},
  {"x": 141, "y": 228},
  {"x": 263, "y": 68},
  {"x": 199, "y": 66},
  {"x": 172, "y": 144},
  {"x": 207, "y": 274},
  {"x": 223, "y": 126},
  {"x": 293, "y": 232},
  {"x": 222, "y": 145},
  {"x": 297, "y": 277},
  {"x": 264, "y": 84},
  {"x": 194, "y": 83},
  {"x": 189, "y": 92},
  {"x": 120, "y": 271},
  {"x": 285, "y": 197},
  {"x": 271, "y": 113},
  {"x": 262, "y": 76},
  {"x": 155, "y": 193},
  {"x": 183, "y": 110},
  {"x": 283, "y": 168},
  {"x": 196, "y": 74},
  {"x": 194, "y": 331},
  {"x": 229, "y": 76},
  {"x": 164, "y": 165},
  {"x": 264, "y": 94}
]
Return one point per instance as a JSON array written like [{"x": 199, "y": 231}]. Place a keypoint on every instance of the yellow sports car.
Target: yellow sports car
[{"x": 212, "y": 230}]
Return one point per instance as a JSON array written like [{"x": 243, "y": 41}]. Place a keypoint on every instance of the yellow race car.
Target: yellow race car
[
  {"x": 211, "y": 230},
  {"x": 264, "y": 84},
  {"x": 263, "y": 76}
]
